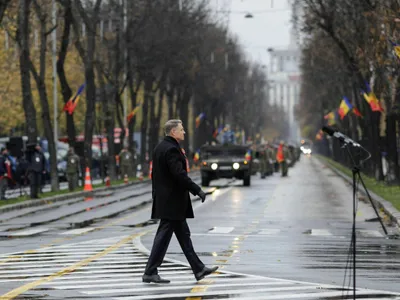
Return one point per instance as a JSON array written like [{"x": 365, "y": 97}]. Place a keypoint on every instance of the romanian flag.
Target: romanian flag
[
  {"x": 196, "y": 157},
  {"x": 344, "y": 108},
  {"x": 396, "y": 48},
  {"x": 248, "y": 155},
  {"x": 331, "y": 117},
  {"x": 217, "y": 131},
  {"x": 370, "y": 97},
  {"x": 199, "y": 118},
  {"x": 71, "y": 104},
  {"x": 356, "y": 112},
  {"x": 132, "y": 113}
]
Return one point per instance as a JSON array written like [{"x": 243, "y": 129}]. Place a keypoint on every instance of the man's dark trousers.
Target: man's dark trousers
[{"x": 161, "y": 243}]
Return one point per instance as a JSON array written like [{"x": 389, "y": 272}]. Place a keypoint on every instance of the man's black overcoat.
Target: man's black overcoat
[{"x": 171, "y": 184}]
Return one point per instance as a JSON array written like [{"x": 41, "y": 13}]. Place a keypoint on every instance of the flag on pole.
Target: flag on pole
[
  {"x": 372, "y": 100},
  {"x": 199, "y": 118},
  {"x": 132, "y": 113},
  {"x": 331, "y": 117},
  {"x": 72, "y": 102},
  {"x": 344, "y": 108}
]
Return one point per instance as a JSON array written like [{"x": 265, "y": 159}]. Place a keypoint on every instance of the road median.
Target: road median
[{"x": 67, "y": 196}]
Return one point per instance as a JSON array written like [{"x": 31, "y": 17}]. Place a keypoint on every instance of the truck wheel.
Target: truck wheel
[
  {"x": 205, "y": 181},
  {"x": 246, "y": 180}
]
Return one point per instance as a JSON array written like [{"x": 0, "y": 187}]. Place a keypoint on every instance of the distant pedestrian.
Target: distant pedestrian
[
  {"x": 125, "y": 162},
  {"x": 37, "y": 168},
  {"x": 171, "y": 203},
  {"x": 282, "y": 157},
  {"x": 4, "y": 172}
]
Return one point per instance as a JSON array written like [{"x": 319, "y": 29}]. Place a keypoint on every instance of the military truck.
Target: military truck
[{"x": 225, "y": 161}]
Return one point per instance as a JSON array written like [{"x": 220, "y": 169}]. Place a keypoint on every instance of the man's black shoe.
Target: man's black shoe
[
  {"x": 154, "y": 278},
  {"x": 205, "y": 272}
]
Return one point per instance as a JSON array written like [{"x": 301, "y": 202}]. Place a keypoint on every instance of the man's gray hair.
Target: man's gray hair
[{"x": 171, "y": 124}]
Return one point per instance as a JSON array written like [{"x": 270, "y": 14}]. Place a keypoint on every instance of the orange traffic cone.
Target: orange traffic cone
[
  {"x": 126, "y": 179},
  {"x": 88, "y": 183},
  {"x": 150, "y": 169},
  {"x": 108, "y": 183}
]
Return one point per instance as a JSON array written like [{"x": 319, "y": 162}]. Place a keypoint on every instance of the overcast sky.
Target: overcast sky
[{"x": 270, "y": 26}]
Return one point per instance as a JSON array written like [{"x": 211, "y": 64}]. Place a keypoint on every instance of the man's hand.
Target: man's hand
[{"x": 202, "y": 196}]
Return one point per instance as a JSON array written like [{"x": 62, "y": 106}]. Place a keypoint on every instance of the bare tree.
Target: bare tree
[{"x": 24, "y": 64}]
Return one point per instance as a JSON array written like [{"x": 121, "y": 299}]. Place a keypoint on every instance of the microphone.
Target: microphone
[{"x": 340, "y": 136}]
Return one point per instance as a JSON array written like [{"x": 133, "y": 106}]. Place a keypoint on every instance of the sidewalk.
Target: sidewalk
[{"x": 379, "y": 202}]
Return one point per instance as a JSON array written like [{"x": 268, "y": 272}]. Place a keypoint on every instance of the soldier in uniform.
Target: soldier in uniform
[
  {"x": 72, "y": 169},
  {"x": 37, "y": 167},
  {"x": 228, "y": 136},
  {"x": 270, "y": 159},
  {"x": 281, "y": 158},
  {"x": 263, "y": 161},
  {"x": 125, "y": 162}
]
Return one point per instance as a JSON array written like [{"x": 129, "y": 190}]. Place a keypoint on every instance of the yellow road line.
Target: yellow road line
[
  {"x": 59, "y": 240},
  {"x": 18, "y": 291},
  {"x": 201, "y": 286}
]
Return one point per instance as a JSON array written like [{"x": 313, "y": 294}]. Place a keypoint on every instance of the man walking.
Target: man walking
[{"x": 171, "y": 203}]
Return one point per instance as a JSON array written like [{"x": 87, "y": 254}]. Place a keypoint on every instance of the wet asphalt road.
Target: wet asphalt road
[{"x": 281, "y": 238}]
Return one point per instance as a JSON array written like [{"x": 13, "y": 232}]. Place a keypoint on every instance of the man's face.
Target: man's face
[{"x": 178, "y": 133}]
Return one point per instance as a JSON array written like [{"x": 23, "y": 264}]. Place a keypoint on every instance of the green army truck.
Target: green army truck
[{"x": 225, "y": 161}]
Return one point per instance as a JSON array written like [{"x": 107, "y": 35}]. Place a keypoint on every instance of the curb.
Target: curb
[
  {"x": 379, "y": 202},
  {"x": 66, "y": 196}
]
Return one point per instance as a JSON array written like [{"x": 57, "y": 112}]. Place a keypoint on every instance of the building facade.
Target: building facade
[{"x": 284, "y": 75}]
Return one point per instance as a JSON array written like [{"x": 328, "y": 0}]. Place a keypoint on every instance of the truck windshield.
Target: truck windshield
[{"x": 224, "y": 153}]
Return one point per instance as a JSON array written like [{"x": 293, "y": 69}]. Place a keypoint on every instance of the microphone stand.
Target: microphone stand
[{"x": 357, "y": 175}]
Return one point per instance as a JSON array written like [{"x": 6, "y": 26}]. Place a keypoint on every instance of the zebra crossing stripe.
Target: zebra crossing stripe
[
  {"x": 116, "y": 269},
  {"x": 27, "y": 232},
  {"x": 199, "y": 294},
  {"x": 77, "y": 231},
  {"x": 18, "y": 291}
]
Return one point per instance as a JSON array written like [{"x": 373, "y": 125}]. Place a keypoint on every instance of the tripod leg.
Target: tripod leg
[
  {"x": 372, "y": 203},
  {"x": 355, "y": 172}
]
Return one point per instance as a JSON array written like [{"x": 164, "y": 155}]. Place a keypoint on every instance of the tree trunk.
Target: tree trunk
[
  {"x": 152, "y": 123},
  {"x": 159, "y": 115},
  {"x": 184, "y": 116},
  {"x": 148, "y": 84},
  {"x": 23, "y": 40},
  {"x": 88, "y": 57},
  {"x": 40, "y": 83},
  {"x": 65, "y": 88},
  {"x": 392, "y": 155},
  {"x": 170, "y": 101},
  {"x": 3, "y": 7},
  {"x": 132, "y": 123}
]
